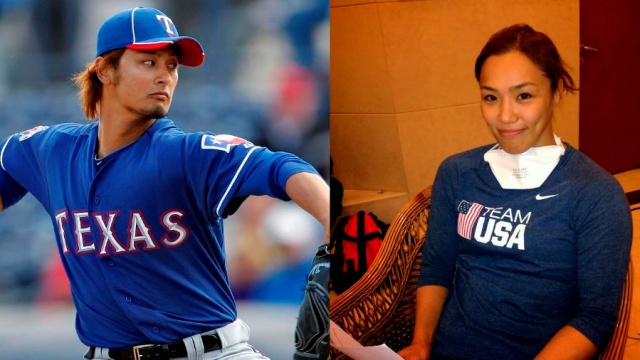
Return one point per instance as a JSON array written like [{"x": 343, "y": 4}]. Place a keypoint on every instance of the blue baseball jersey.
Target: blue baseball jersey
[{"x": 140, "y": 231}]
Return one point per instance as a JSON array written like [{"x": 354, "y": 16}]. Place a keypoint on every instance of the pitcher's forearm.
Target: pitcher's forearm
[{"x": 311, "y": 193}]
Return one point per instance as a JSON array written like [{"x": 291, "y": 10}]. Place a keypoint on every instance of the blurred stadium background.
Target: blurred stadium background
[{"x": 265, "y": 78}]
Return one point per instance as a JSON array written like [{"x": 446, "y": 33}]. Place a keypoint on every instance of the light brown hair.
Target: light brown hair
[{"x": 90, "y": 86}]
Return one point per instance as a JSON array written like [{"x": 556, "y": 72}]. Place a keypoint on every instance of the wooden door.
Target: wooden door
[{"x": 610, "y": 83}]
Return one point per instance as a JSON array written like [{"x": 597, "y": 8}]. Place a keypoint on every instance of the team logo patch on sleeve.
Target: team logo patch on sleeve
[
  {"x": 29, "y": 133},
  {"x": 223, "y": 142}
]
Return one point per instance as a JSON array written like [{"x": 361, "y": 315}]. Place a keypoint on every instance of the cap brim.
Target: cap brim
[{"x": 191, "y": 52}]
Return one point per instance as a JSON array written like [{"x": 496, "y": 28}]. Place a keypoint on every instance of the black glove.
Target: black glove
[{"x": 312, "y": 328}]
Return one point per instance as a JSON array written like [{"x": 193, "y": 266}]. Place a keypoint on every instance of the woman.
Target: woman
[{"x": 528, "y": 240}]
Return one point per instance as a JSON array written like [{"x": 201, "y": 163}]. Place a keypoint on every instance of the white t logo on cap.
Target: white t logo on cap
[{"x": 167, "y": 23}]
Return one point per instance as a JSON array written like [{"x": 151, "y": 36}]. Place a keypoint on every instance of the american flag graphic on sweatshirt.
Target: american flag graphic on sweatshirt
[{"x": 467, "y": 215}]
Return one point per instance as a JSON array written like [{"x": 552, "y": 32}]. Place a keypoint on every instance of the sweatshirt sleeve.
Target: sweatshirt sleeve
[
  {"x": 604, "y": 234},
  {"x": 441, "y": 245}
]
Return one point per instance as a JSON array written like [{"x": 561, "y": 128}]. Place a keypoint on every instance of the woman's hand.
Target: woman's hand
[{"x": 415, "y": 352}]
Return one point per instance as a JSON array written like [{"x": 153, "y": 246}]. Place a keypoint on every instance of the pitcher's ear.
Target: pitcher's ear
[{"x": 104, "y": 72}]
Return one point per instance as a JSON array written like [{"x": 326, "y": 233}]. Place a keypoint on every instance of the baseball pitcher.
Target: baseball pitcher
[{"x": 137, "y": 204}]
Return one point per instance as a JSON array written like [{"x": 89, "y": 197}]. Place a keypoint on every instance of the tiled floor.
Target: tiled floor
[{"x": 631, "y": 181}]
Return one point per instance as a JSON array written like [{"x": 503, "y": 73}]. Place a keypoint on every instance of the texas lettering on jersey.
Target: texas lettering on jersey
[
  {"x": 139, "y": 230},
  {"x": 496, "y": 226}
]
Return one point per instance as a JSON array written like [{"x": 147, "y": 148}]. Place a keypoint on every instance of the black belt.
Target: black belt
[{"x": 161, "y": 351}]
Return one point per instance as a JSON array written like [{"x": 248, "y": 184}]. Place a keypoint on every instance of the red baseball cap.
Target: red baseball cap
[{"x": 147, "y": 29}]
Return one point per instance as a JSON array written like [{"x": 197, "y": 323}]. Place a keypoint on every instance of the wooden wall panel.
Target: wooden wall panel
[
  {"x": 359, "y": 77},
  {"x": 366, "y": 152},
  {"x": 438, "y": 139}
]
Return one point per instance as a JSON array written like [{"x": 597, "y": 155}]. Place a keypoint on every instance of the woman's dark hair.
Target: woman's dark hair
[{"x": 536, "y": 46}]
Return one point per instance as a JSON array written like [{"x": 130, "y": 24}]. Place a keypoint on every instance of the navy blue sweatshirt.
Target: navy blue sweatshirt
[{"x": 521, "y": 264}]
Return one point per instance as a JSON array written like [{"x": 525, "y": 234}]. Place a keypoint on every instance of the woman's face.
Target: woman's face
[{"x": 517, "y": 102}]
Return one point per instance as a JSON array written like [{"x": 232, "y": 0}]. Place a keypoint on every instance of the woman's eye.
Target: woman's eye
[
  {"x": 524, "y": 96},
  {"x": 489, "y": 98},
  {"x": 149, "y": 62}
]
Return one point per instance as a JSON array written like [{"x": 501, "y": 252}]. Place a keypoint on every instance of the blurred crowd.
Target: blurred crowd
[{"x": 265, "y": 79}]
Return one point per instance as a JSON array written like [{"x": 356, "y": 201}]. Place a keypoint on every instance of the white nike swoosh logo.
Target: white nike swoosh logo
[{"x": 543, "y": 197}]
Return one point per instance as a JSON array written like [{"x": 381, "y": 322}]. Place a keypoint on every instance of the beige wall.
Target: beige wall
[{"x": 403, "y": 93}]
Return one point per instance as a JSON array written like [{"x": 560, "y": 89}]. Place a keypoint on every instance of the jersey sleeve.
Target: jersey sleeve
[
  {"x": 441, "y": 245},
  {"x": 22, "y": 158},
  {"x": 234, "y": 168},
  {"x": 604, "y": 234},
  {"x": 10, "y": 191}
]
